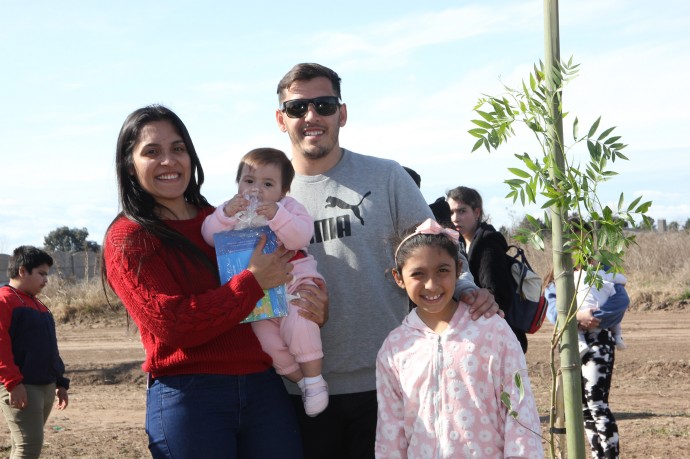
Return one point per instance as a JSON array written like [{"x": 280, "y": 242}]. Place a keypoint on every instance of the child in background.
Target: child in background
[
  {"x": 609, "y": 312},
  {"x": 591, "y": 297},
  {"x": 440, "y": 375},
  {"x": 31, "y": 370},
  {"x": 264, "y": 176}
]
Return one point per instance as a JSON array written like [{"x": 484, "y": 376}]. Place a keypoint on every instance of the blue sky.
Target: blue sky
[{"x": 412, "y": 71}]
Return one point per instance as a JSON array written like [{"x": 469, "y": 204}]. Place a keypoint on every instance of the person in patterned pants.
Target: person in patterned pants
[{"x": 597, "y": 369}]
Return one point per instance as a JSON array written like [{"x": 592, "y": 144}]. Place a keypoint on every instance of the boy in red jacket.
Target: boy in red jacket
[{"x": 31, "y": 370}]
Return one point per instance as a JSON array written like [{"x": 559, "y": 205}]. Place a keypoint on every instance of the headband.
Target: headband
[{"x": 430, "y": 226}]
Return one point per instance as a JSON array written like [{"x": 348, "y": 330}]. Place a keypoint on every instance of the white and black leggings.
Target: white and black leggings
[{"x": 597, "y": 369}]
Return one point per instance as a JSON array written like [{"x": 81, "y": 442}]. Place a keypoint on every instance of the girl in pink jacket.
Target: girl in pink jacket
[
  {"x": 293, "y": 342},
  {"x": 440, "y": 375}
]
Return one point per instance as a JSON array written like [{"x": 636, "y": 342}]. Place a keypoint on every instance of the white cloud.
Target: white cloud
[{"x": 386, "y": 43}]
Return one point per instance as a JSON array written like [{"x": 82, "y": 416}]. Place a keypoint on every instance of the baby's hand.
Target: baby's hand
[
  {"x": 267, "y": 210},
  {"x": 236, "y": 204}
]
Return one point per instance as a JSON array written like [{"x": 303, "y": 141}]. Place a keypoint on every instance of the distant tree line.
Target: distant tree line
[
  {"x": 64, "y": 239},
  {"x": 74, "y": 256},
  {"x": 546, "y": 231},
  {"x": 675, "y": 226}
]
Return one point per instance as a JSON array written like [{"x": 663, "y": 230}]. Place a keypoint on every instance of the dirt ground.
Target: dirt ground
[{"x": 105, "y": 419}]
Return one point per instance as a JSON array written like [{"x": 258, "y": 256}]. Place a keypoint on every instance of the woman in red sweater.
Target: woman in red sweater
[{"x": 212, "y": 391}]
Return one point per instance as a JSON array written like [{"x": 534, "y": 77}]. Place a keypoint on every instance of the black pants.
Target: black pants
[{"x": 345, "y": 430}]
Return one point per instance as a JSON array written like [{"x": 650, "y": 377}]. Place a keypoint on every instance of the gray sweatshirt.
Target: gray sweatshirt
[{"x": 360, "y": 207}]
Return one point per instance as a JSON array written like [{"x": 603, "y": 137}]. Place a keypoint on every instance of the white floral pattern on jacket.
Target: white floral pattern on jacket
[{"x": 439, "y": 395}]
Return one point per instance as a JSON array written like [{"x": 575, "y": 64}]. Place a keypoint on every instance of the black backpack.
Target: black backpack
[{"x": 529, "y": 304}]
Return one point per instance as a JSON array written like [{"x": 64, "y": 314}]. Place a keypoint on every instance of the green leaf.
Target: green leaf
[
  {"x": 534, "y": 126},
  {"x": 515, "y": 183},
  {"x": 608, "y": 213},
  {"x": 531, "y": 194},
  {"x": 519, "y": 172},
  {"x": 591, "y": 146},
  {"x": 481, "y": 123},
  {"x": 519, "y": 385},
  {"x": 610, "y": 140},
  {"x": 551, "y": 193},
  {"x": 478, "y": 132},
  {"x": 477, "y": 144},
  {"x": 486, "y": 116},
  {"x": 643, "y": 208},
  {"x": 549, "y": 203},
  {"x": 487, "y": 146},
  {"x": 592, "y": 174},
  {"x": 493, "y": 139},
  {"x": 634, "y": 203},
  {"x": 505, "y": 399},
  {"x": 529, "y": 163},
  {"x": 594, "y": 127},
  {"x": 620, "y": 203},
  {"x": 621, "y": 155},
  {"x": 538, "y": 241},
  {"x": 506, "y": 104},
  {"x": 576, "y": 125},
  {"x": 605, "y": 133}
]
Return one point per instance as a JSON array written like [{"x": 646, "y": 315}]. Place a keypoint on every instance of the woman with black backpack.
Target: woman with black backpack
[{"x": 485, "y": 249}]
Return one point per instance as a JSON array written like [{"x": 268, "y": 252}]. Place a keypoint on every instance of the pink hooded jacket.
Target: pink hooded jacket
[{"x": 439, "y": 395}]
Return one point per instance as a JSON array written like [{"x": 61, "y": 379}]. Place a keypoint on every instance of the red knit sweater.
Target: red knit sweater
[{"x": 188, "y": 324}]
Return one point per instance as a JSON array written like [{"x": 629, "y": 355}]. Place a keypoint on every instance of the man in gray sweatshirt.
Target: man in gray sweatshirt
[{"x": 360, "y": 205}]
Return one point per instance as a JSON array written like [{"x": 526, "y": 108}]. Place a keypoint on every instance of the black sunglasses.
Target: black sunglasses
[{"x": 297, "y": 108}]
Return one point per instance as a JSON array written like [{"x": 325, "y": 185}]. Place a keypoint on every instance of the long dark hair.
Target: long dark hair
[{"x": 138, "y": 205}]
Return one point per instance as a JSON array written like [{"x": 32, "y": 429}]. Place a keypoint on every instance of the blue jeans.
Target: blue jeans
[{"x": 221, "y": 416}]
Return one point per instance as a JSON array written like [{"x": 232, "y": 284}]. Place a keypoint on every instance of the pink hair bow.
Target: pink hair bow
[{"x": 430, "y": 226}]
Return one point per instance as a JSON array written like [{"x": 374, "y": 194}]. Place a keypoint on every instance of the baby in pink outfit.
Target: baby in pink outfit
[{"x": 293, "y": 342}]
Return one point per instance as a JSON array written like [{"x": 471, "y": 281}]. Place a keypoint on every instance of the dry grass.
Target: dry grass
[
  {"x": 657, "y": 268},
  {"x": 82, "y": 302}
]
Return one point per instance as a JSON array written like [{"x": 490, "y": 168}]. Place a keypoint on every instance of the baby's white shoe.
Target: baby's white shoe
[
  {"x": 315, "y": 397},
  {"x": 582, "y": 347}
]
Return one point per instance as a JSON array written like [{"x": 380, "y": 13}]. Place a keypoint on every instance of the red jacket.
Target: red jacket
[
  {"x": 188, "y": 322},
  {"x": 28, "y": 344}
]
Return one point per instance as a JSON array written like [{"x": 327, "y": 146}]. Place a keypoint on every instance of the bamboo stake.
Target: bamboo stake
[{"x": 562, "y": 262}]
